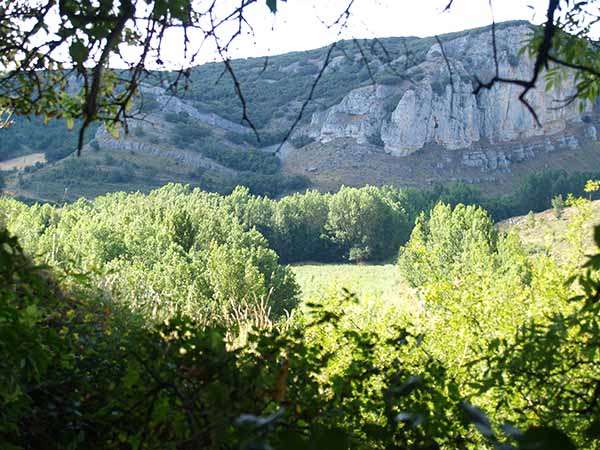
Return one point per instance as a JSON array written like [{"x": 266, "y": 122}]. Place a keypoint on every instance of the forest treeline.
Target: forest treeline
[
  {"x": 359, "y": 224},
  {"x": 163, "y": 321},
  {"x": 370, "y": 223}
]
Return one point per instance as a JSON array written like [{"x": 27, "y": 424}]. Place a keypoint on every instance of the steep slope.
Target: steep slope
[
  {"x": 558, "y": 232},
  {"x": 395, "y": 110},
  {"x": 434, "y": 114}
]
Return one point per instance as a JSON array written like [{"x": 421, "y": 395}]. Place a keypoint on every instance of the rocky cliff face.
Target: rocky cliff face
[
  {"x": 435, "y": 106},
  {"x": 417, "y": 123}
]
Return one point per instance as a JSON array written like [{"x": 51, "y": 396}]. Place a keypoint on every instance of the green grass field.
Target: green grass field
[
  {"x": 366, "y": 281},
  {"x": 384, "y": 299},
  {"x": 383, "y": 283}
]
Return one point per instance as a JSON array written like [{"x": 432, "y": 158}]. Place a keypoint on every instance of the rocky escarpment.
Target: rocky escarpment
[
  {"x": 155, "y": 132},
  {"x": 127, "y": 143},
  {"x": 172, "y": 104},
  {"x": 433, "y": 105},
  {"x": 412, "y": 112}
]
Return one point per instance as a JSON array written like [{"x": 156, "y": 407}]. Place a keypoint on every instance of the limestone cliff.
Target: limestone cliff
[
  {"x": 434, "y": 106},
  {"x": 404, "y": 116}
]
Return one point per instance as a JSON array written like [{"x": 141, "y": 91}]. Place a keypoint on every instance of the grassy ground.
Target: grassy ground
[
  {"x": 541, "y": 233},
  {"x": 546, "y": 233},
  {"x": 21, "y": 162},
  {"x": 377, "y": 281},
  {"x": 384, "y": 300}
]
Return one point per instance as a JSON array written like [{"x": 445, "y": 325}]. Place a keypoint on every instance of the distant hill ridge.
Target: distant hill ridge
[{"x": 387, "y": 112}]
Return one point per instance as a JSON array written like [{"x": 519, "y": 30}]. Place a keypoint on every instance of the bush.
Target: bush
[
  {"x": 558, "y": 205},
  {"x": 366, "y": 220},
  {"x": 237, "y": 138},
  {"x": 302, "y": 141},
  {"x": 447, "y": 243},
  {"x": 246, "y": 160},
  {"x": 185, "y": 134}
]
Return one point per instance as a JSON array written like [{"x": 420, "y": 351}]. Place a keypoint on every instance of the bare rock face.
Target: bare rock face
[
  {"x": 439, "y": 107},
  {"x": 359, "y": 115}
]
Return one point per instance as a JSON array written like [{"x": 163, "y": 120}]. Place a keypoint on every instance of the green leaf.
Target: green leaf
[
  {"x": 272, "y": 4},
  {"x": 131, "y": 378},
  {"x": 78, "y": 52}
]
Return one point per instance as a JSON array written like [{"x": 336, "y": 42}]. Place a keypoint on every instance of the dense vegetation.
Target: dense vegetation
[
  {"x": 30, "y": 135},
  {"x": 370, "y": 223},
  {"x": 366, "y": 224},
  {"x": 189, "y": 134},
  {"x": 99, "y": 172},
  {"x": 164, "y": 321},
  {"x": 162, "y": 324},
  {"x": 157, "y": 244}
]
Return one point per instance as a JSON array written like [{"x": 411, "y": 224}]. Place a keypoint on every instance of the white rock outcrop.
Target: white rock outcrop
[{"x": 441, "y": 109}]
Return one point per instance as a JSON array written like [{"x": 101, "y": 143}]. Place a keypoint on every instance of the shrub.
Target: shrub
[
  {"x": 186, "y": 134},
  {"x": 302, "y": 141},
  {"x": 360, "y": 218},
  {"x": 447, "y": 243},
  {"x": 558, "y": 205},
  {"x": 530, "y": 220}
]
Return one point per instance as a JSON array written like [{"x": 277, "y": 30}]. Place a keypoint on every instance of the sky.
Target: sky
[{"x": 306, "y": 24}]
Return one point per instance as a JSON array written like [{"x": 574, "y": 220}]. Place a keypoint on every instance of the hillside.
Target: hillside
[
  {"x": 548, "y": 231},
  {"x": 385, "y": 111},
  {"x": 541, "y": 233}
]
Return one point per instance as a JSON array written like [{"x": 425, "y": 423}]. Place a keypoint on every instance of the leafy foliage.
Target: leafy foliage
[
  {"x": 116, "y": 383},
  {"x": 160, "y": 342},
  {"x": 447, "y": 243},
  {"x": 370, "y": 222},
  {"x": 173, "y": 251}
]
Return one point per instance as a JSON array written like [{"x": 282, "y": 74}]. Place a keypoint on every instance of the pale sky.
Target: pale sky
[
  {"x": 309, "y": 24},
  {"x": 303, "y": 24}
]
